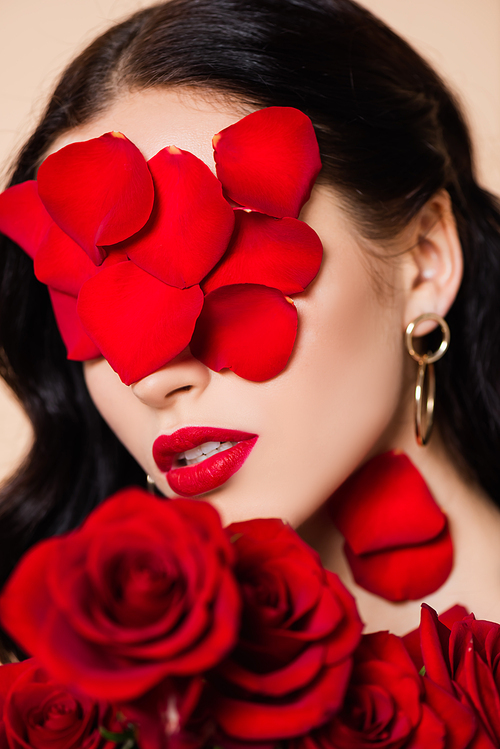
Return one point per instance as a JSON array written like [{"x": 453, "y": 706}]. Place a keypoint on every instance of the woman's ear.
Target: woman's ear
[{"x": 433, "y": 267}]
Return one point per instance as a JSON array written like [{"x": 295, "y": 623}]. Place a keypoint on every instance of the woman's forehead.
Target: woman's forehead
[{"x": 159, "y": 117}]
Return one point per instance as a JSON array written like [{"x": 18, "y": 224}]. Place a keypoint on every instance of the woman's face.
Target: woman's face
[{"x": 334, "y": 404}]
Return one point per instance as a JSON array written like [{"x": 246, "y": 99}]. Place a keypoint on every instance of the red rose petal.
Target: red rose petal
[
  {"x": 324, "y": 612},
  {"x": 94, "y": 623},
  {"x": 308, "y": 709},
  {"x": 394, "y": 501},
  {"x": 269, "y": 160},
  {"x": 406, "y": 573},
  {"x": 297, "y": 674},
  {"x": 282, "y": 253},
  {"x": 78, "y": 344},
  {"x": 61, "y": 263},
  {"x": 96, "y": 675},
  {"x": 191, "y": 222},
  {"x": 27, "y": 585},
  {"x": 430, "y": 732},
  {"x": 138, "y": 322},
  {"x": 458, "y": 718},
  {"x": 39, "y": 712},
  {"x": 162, "y": 529},
  {"x": 348, "y": 632},
  {"x": 23, "y": 217},
  {"x": 99, "y": 191},
  {"x": 9, "y": 673},
  {"x": 246, "y": 328},
  {"x": 454, "y": 614},
  {"x": 288, "y": 673},
  {"x": 478, "y": 682},
  {"x": 474, "y": 654},
  {"x": 412, "y": 639},
  {"x": 218, "y": 639},
  {"x": 434, "y": 639}
]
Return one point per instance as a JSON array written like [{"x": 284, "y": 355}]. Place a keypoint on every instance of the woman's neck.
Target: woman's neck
[{"x": 474, "y": 522}]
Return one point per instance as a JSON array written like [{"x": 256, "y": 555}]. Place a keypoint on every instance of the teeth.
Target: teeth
[
  {"x": 204, "y": 449},
  {"x": 202, "y": 452}
]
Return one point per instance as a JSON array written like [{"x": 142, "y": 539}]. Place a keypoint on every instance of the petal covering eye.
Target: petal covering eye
[
  {"x": 282, "y": 253},
  {"x": 61, "y": 263},
  {"x": 138, "y": 322},
  {"x": 269, "y": 160},
  {"x": 191, "y": 222},
  {"x": 143, "y": 259},
  {"x": 78, "y": 344},
  {"x": 16, "y": 204},
  {"x": 99, "y": 192},
  {"x": 247, "y": 328}
]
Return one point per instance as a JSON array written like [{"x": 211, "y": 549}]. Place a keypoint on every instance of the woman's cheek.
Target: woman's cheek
[{"x": 118, "y": 406}]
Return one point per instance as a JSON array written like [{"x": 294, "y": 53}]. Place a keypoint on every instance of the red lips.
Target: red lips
[{"x": 189, "y": 481}]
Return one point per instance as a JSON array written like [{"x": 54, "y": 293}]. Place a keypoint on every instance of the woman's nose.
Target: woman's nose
[{"x": 181, "y": 375}]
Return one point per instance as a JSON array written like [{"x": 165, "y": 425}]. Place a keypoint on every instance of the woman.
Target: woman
[{"x": 406, "y": 231}]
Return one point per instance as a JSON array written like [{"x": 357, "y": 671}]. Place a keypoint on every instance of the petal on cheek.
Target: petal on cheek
[
  {"x": 18, "y": 202},
  {"x": 282, "y": 253},
  {"x": 78, "y": 345},
  {"x": 62, "y": 264},
  {"x": 269, "y": 160},
  {"x": 247, "y": 328},
  {"x": 138, "y": 322},
  {"x": 191, "y": 222},
  {"x": 99, "y": 191}
]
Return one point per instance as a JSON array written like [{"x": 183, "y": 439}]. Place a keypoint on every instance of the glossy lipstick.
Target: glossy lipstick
[{"x": 210, "y": 473}]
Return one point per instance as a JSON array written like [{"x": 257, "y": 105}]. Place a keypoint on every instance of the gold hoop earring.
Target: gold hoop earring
[
  {"x": 424, "y": 419},
  {"x": 151, "y": 484}
]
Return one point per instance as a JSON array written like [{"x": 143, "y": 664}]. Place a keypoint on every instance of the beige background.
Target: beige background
[{"x": 38, "y": 37}]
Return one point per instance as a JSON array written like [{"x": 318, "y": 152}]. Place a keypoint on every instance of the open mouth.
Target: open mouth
[
  {"x": 197, "y": 460},
  {"x": 201, "y": 453}
]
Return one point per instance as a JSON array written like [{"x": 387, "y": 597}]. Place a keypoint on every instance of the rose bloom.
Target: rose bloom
[
  {"x": 464, "y": 661},
  {"x": 141, "y": 593},
  {"x": 300, "y": 626},
  {"x": 388, "y": 705},
  {"x": 37, "y": 712}
]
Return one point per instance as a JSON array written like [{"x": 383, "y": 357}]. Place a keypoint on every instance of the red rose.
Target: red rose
[
  {"x": 464, "y": 661},
  {"x": 383, "y": 702},
  {"x": 412, "y": 639},
  {"x": 37, "y": 712},
  {"x": 142, "y": 592},
  {"x": 386, "y": 706},
  {"x": 290, "y": 669}
]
